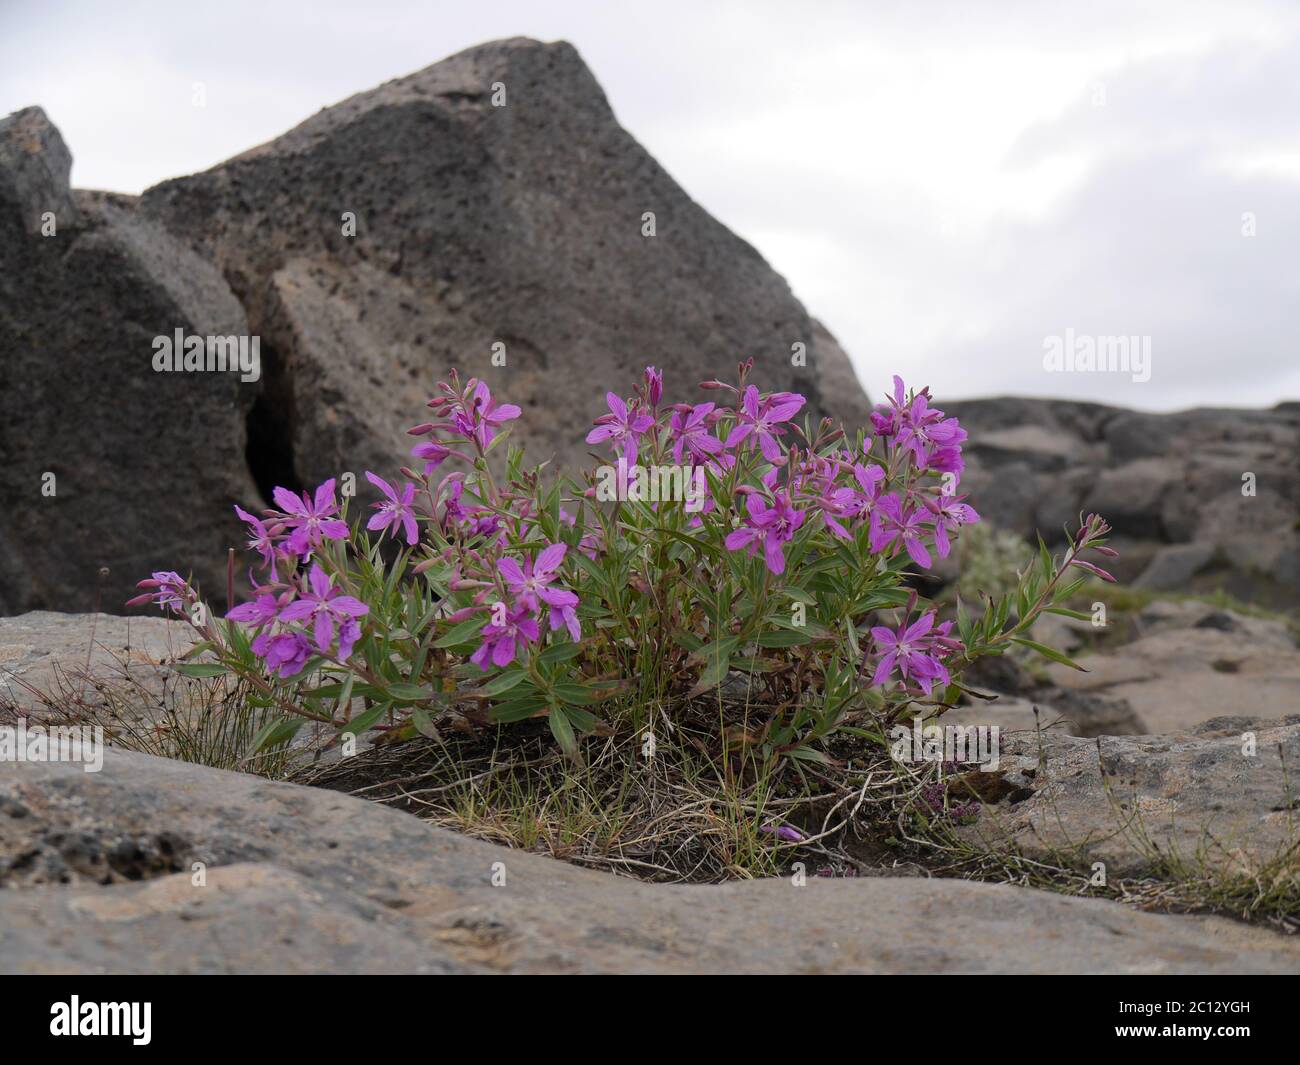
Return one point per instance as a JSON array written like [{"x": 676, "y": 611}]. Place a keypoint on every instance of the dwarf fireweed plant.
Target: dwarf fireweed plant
[{"x": 707, "y": 539}]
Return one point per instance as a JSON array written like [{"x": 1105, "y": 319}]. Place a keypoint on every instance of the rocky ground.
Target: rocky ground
[
  {"x": 99, "y": 871},
  {"x": 152, "y": 865}
]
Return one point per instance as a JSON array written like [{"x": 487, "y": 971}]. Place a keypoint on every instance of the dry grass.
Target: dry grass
[
  {"x": 684, "y": 813},
  {"x": 157, "y": 711}
]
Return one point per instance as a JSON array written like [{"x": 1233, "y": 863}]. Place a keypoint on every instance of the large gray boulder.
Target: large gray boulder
[
  {"x": 476, "y": 225},
  {"x": 158, "y": 866},
  {"x": 106, "y": 463}
]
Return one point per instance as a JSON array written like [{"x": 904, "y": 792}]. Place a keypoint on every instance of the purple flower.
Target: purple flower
[
  {"x": 927, "y": 432},
  {"x": 260, "y": 539},
  {"x": 945, "y": 460},
  {"x": 950, "y": 514},
  {"x": 565, "y": 614},
  {"x": 591, "y": 543},
  {"x": 774, "y": 525},
  {"x": 285, "y": 653},
  {"x": 892, "y": 521},
  {"x": 324, "y": 607},
  {"x": 622, "y": 426},
  {"x": 310, "y": 518},
  {"x": 434, "y": 454},
  {"x": 887, "y": 424},
  {"x": 453, "y": 510},
  {"x": 935, "y": 441},
  {"x": 691, "y": 434},
  {"x": 760, "y": 418},
  {"x": 853, "y": 504},
  {"x": 532, "y": 582},
  {"x": 484, "y": 416},
  {"x": 654, "y": 385},
  {"x": 785, "y": 832},
  {"x": 395, "y": 510},
  {"x": 1095, "y": 570},
  {"x": 170, "y": 591},
  {"x": 501, "y": 642},
  {"x": 908, "y": 649},
  {"x": 258, "y": 611}
]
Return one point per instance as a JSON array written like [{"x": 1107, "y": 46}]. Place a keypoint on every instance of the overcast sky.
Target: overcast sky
[{"x": 946, "y": 188}]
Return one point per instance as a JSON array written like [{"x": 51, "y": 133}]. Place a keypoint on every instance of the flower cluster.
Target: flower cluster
[
  {"x": 898, "y": 486},
  {"x": 547, "y": 599},
  {"x": 518, "y": 598},
  {"x": 916, "y": 651}
]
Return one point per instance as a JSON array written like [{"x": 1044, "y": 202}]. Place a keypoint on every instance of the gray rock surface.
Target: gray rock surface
[
  {"x": 1170, "y": 484},
  {"x": 1071, "y": 712},
  {"x": 1185, "y": 662},
  {"x": 44, "y": 652},
  {"x": 145, "y": 465},
  {"x": 479, "y": 224},
  {"x": 99, "y": 876},
  {"x": 1201, "y": 798}
]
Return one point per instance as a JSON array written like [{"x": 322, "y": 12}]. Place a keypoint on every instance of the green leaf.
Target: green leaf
[
  {"x": 517, "y": 709},
  {"x": 275, "y": 733},
  {"x": 1045, "y": 560},
  {"x": 582, "y": 720},
  {"x": 465, "y": 632},
  {"x": 345, "y": 696},
  {"x": 756, "y": 665},
  {"x": 784, "y": 638},
  {"x": 713, "y": 674},
  {"x": 202, "y": 669},
  {"x": 963, "y": 622},
  {"x": 809, "y": 754},
  {"x": 1066, "y": 612},
  {"x": 501, "y": 684},
  {"x": 562, "y": 730},
  {"x": 423, "y": 723},
  {"x": 577, "y": 694},
  {"x": 1049, "y": 652},
  {"x": 852, "y": 632},
  {"x": 364, "y": 720},
  {"x": 402, "y": 692},
  {"x": 717, "y": 648},
  {"x": 1070, "y": 590},
  {"x": 588, "y": 566},
  {"x": 559, "y": 652}
]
